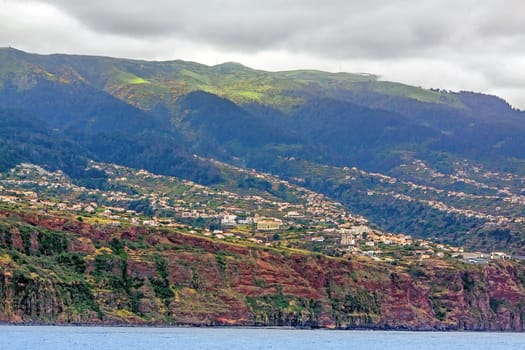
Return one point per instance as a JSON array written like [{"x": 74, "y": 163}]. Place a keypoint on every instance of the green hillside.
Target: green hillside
[
  {"x": 165, "y": 116},
  {"x": 137, "y": 81}
]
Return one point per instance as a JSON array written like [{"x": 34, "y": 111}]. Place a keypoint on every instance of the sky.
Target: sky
[{"x": 475, "y": 45}]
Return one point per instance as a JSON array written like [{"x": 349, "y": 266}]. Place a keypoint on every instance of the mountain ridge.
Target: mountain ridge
[{"x": 312, "y": 73}]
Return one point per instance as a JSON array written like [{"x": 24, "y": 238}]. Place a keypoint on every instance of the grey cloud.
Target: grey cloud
[
  {"x": 503, "y": 72},
  {"x": 505, "y": 19},
  {"x": 231, "y": 23},
  {"x": 375, "y": 28}
]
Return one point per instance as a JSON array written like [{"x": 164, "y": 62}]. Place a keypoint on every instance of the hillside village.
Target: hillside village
[
  {"x": 420, "y": 183},
  {"x": 307, "y": 221}
]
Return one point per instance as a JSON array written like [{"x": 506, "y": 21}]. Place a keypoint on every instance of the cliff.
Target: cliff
[{"x": 59, "y": 270}]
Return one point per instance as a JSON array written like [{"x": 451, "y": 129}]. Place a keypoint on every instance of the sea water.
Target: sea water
[{"x": 114, "y": 338}]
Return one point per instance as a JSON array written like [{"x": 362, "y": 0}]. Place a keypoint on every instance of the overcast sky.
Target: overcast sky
[{"x": 452, "y": 44}]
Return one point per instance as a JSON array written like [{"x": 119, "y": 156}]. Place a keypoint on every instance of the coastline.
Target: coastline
[{"x": 219, "y": 326}]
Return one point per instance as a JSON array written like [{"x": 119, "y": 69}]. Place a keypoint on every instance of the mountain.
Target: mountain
[
  {"x": 454, "y": 158},
  {"x": 216, "y": 126},
  {"x": 24, "y": 138}
]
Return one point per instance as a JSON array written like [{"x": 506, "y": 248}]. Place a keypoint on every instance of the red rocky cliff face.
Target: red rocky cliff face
[{"x": 54, "y": 270}]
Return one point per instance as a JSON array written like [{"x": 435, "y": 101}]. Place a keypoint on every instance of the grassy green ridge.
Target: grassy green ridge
[{"x": 135, "y": 81}]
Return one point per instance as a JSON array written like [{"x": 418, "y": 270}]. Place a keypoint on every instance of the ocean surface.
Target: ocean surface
[{"x": 113, "y": 338}]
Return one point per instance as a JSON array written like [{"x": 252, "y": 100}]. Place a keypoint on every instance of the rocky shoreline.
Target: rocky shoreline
[{"x": 63, "y": 272}]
